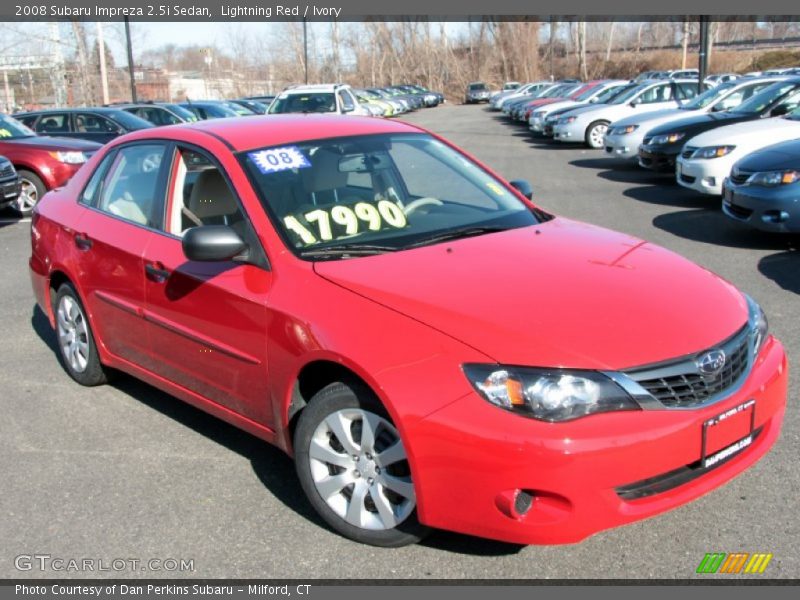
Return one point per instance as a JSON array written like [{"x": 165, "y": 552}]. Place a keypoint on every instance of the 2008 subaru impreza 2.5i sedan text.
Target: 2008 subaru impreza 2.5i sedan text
[{"x": 432, "y": 348}]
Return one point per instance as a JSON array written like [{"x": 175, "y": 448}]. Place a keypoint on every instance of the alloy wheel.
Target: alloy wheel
[
  {"x": 360, "y": 469},
  {"x": 73, "y": 333}
]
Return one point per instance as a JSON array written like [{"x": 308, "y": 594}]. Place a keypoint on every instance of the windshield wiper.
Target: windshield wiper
[
  {"x": 353, "y": 249},
  {"x": 454, "y": 234}
]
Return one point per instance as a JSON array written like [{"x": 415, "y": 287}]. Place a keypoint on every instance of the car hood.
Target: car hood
[
  {"x": 561, "y": 293},
  {"x": 43, "y": 142},
  {"x": 758, "y": 133},
  {"x": 773, "y": 158}
]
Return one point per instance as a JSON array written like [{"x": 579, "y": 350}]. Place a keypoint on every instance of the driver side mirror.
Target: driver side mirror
[
  {"x": 523, "y": 187},
  {"x": 212, "y": 243}
]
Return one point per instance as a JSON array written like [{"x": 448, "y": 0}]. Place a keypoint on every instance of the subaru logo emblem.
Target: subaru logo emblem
[{"x": 711, "y": 363}]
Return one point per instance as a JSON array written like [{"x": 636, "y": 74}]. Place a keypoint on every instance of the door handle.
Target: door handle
[
  {"x": 156, "y": 272},
  {"x": 83, "y": 242}
]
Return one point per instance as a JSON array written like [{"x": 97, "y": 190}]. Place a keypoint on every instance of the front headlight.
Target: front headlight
[
  {"x": 667, "y": 138},
  {"x": 773, "y": 178},
  {"x": 70, "y": 158},
  {"x": 548, "y": 394},
  {"x": 624, "y": 129},
  {"x": 759, "y": 326},
  {"x": 713, "y": 151},
  {"x": 566, "y": 120}
]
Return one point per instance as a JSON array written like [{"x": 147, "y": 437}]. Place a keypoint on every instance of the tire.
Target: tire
[
  {"x": 595, "y": 133},
  {"x": 334, "y": 467},
  {"x": 31, "y": 191},
  {"x": 76, "y": 346}
]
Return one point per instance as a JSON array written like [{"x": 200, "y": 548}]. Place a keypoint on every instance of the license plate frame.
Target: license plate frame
[{"x": 739, "y": 445}]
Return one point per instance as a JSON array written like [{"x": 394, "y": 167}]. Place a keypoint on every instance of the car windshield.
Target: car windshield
[
  {"x": 628, "y": 94},
  {"x": 11, "y": 129},
  {"x": 707, "y": 97},
  {"x": 129, "y": 121},
  {"x": 378, "y": 193},
  {"x": 239, "y": 109},
  {"x": 587, "y": 94},
  {"x": 609, "y": 94},
  {"x": 183, "y": 113},
  {"x": 758, "y": 103},
  {"x": 477, "y": 87},
  {"x": 311, "y": 102}
]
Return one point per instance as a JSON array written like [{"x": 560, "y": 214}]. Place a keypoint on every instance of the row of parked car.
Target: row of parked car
[
  {"x": 40, "y": 150},
  {"x": 737, "y": 142}
]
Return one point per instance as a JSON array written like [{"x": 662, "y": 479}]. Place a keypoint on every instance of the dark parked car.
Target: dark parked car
[
  {"x": 664, "y": 143},
  {"x": 763, "y": 189},
  {"x": 42, "y": 162},
  {"x": 185, "y": 114},
  {"x": 157, "y": 114},
  {"x": 9, "y": 183},
  {"x": 215, "y": 109},
  {"x": 477, "y": 91},
  {"x": 96, "y": 124},
  {"x": 256, "y": 106}
]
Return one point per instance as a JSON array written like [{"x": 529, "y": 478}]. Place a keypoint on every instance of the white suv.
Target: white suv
[{"x": 322, "y": 98}]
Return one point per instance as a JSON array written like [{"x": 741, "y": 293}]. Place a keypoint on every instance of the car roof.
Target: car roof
[
  {"x": 316, "y": 87},
  {"x": 275, "y": 130}
]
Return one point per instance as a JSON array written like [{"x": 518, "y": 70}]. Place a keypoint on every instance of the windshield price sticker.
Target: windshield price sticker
[
  {"x": 343, "y": 221},
  {"x": 5, "y": 133},
  {"x": 279, "y": 159}
]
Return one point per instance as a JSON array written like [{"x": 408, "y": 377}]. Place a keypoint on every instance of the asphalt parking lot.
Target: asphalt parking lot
[{"x": 127, "y": 472}]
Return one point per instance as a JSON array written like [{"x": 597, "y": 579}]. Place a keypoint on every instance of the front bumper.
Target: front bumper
[
  {"x": 657, "y": 158},
  {"x": 9, "y": 191},
  {"x": 622, "y": 146},
  {"x": 703, "y": 175},
  {"x": 569, "y": 132},
  {"x": 470, "y": 459},
  {"x": 775, "y": 209}
]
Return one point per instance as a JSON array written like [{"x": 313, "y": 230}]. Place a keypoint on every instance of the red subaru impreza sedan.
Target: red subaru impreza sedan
[{"x": 432, "y": 348}]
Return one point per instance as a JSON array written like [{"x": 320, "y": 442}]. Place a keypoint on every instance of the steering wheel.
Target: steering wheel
[{"x": 415, "y": 204}]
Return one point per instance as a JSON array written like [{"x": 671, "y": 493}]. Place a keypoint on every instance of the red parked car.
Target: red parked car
[
  {"x": 432, "y": 348},
  {"x": 42, "y": 162}
]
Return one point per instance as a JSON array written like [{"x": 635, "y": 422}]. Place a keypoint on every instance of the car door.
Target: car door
[
  {"x": 208, "y": 320},
  {"x": 94, "y": 127},
  {"x": 123, "y": 200}
]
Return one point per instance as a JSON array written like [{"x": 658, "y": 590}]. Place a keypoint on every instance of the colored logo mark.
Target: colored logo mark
[{"x": 734, "y": 563}]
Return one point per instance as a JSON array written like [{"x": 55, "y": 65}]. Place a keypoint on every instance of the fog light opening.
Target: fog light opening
[
  {"x": 710, "y": 181},
  {"x": 774, "y": 216},
  {"x": 523, "y": 502}
]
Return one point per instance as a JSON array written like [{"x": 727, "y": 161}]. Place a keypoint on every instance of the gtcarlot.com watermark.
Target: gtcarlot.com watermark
[{"x": 57, "y": 564}]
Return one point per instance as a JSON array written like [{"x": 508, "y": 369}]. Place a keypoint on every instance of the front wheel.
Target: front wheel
[
  {"x": 31, "y": 191},
  {"x": 596, "y": 134},
  {"x": 354, "y": 468}
]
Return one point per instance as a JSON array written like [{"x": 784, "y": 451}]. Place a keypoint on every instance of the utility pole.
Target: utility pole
[
  {"x": 101, "y": 50},
  {"x": 130, "y": 58},
  {"x": 57, "y": 74},
  {"x": 703, "y": 58},
  {"x": 305, "y": 48}
]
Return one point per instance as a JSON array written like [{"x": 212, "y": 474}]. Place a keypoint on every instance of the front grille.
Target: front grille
[
  {"x": 688, "y": 178},
  {"x": 7, "y": 170},
  {"x": 738, "y": 211},
  {"x": 688, "y": 151},
  {"x": 740, "y": 177},
  {"x": 679, "y": 384}
]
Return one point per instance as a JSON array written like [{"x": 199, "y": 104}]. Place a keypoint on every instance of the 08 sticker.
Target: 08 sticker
[
  {"x": 279, "y": 159},
  {"x": 345, "y": 220}
]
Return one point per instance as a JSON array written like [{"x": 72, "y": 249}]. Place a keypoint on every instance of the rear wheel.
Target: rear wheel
[
  {"x": 354, "y": 469},
  {"x": 76, "y": 345},
  {"x": 596, "y": 133},
  {"x": 31, "y": 191}
]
